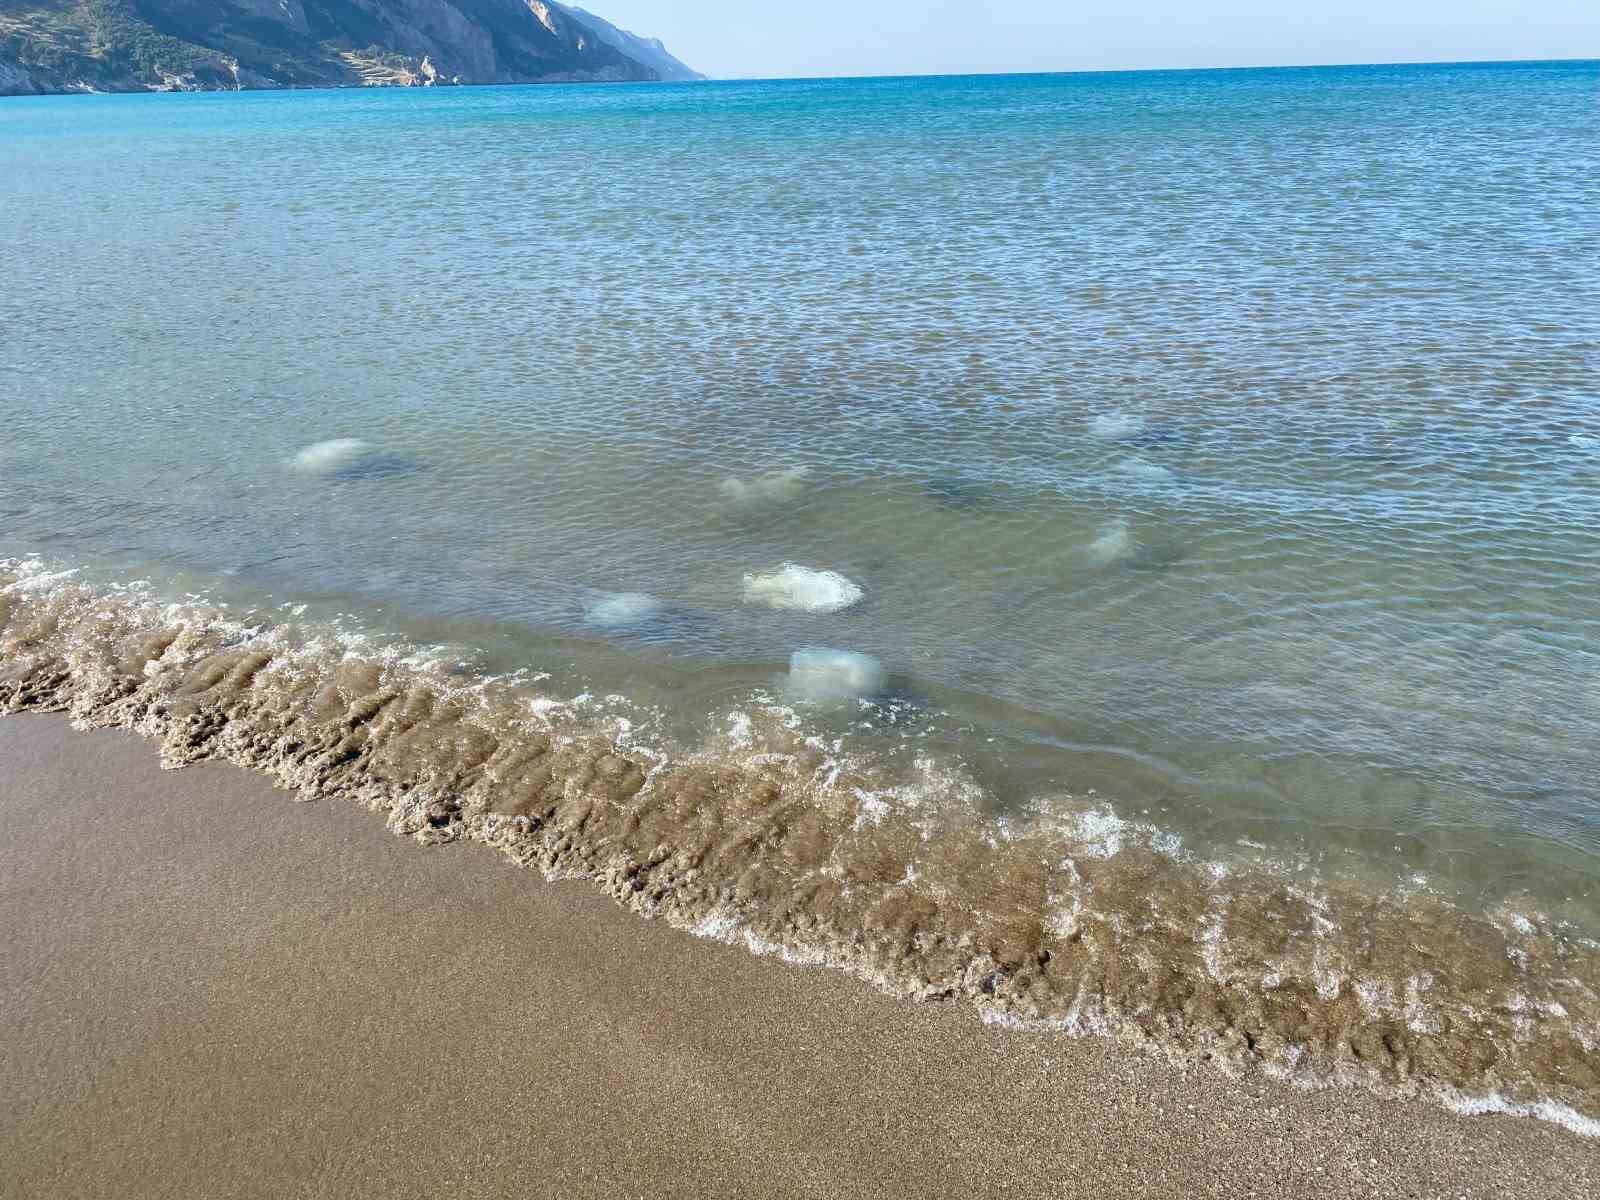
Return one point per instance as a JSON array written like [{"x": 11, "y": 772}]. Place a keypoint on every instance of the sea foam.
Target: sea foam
[{"x": 800, "y": 589}]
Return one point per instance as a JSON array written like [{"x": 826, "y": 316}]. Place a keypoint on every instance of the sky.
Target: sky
[{"x": 778, "y": 38}]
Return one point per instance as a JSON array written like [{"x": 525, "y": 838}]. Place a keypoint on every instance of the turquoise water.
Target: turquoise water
[{"x": 1223, "y": 443}]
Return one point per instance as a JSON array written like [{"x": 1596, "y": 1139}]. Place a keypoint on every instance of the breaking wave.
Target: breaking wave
[{"x": 1069, "y": 917}]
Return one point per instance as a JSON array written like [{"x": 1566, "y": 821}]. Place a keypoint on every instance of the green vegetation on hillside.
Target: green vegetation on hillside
[
  {"x": 38, "y": 36},
  {"x": 93, "y": 41},
  {"x": 127, "y": 38}
]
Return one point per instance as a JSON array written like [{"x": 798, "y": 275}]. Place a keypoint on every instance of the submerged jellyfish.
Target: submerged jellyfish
[
  {"x": 621, "y": 610},
  {"x": 351, "y": 458},
  {"x": 773, "y": 487},
  {"x": 820, "y": 673},
  {"x": 800, "y": 589}
]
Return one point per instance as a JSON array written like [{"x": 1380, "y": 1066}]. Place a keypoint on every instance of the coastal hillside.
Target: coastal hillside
[
  {"x": 186, "y": 45},
  {"x": 646, "y": 50}
]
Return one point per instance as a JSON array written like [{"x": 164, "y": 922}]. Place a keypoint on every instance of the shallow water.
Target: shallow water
[{"x": 1220, "y": 447}]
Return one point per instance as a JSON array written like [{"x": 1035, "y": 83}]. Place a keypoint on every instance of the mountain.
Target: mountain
[
  {"x": 169, "y": 45},
  {"x": 646, "y": 50}
]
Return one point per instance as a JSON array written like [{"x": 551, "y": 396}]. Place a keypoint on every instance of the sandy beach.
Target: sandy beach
[{"x": 212, "y": 991}]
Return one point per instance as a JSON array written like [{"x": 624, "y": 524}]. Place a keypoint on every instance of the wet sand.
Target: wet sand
[{"x": 208, "y": 990}]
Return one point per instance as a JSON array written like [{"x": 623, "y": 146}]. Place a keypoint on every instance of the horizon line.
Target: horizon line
[
  {"x": 1295, "y": 66},
  {"x": 749, "y": 79}
]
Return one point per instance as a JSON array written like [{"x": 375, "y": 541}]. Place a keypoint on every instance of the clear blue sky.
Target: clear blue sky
[{"x": 765, "y": 38}]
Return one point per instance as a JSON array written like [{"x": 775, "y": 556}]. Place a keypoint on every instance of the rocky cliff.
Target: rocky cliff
[{"x": 145, "y": 45}]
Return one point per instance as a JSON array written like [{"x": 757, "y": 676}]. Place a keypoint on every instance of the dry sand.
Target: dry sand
[{"x": 207, "y": 990}]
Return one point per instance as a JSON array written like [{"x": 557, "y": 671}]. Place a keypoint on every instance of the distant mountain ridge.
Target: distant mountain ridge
[
  {"x": 646, "y": 50},
  {"x": 188, "y": 45}
]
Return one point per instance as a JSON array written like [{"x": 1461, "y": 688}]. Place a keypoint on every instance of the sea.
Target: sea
[{"x": 1120, "y": 550}]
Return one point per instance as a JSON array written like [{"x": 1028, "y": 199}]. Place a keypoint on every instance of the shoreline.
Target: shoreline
[
  {"x": 213, "y": 990},
  {"x": 1083, "y": 923}
]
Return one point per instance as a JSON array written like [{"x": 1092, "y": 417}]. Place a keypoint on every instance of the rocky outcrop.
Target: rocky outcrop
[
  {"x": 16, "y": 80},
  {"x": 155, "y": 45}
]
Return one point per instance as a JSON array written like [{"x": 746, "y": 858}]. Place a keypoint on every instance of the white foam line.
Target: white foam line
[
  {"x": 1569, "y": 1119},
  {"x": 724, "y": 927}
]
